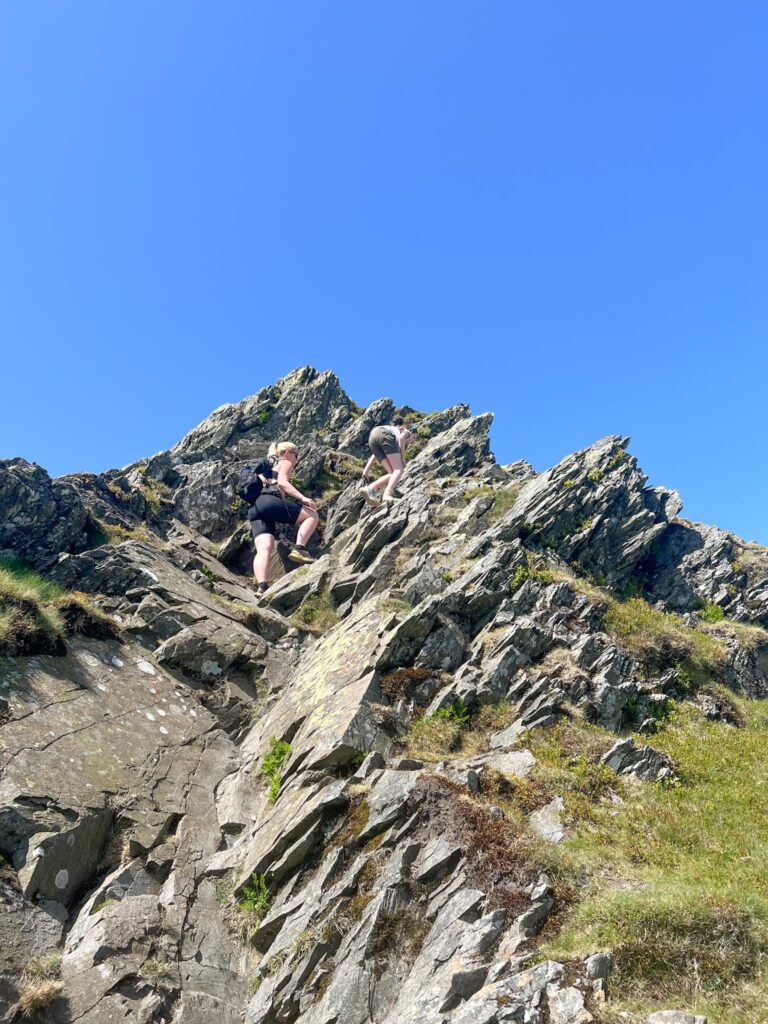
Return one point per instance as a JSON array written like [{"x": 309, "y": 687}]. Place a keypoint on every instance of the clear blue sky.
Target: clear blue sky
[{"x": 554, "y": 210}]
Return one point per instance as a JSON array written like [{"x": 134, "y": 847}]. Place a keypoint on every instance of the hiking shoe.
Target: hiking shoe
[
  {"x": 299, "y": 554},
  {"x": 389, "y": 498},
  {"x": 370, "y": 497},
  {"x": 261, "y": 591}
]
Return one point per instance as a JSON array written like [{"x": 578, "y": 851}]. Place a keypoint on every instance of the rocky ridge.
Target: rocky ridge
[{"x": 143, "y": 844}]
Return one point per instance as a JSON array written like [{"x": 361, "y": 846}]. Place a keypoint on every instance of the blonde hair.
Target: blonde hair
[{"x": 278, "y": 448}]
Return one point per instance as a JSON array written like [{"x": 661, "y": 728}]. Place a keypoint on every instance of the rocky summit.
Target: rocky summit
[{"x": 372, "y": 796}]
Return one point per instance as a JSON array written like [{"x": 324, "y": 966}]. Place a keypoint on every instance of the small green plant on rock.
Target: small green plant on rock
[
  {"x": 456, "y": 712},
  {"x": 255, "y": 897},
  {"x": 271, "y": 766},
  {"x": 252, "y": 906},
  {"x": 155, "y": 969},
  {"x": 712, "y": 613},
  {"x": 530, "y": 569}
]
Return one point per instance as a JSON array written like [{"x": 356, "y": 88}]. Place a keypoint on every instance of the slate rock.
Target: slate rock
[{"x": 639, "y": 762}]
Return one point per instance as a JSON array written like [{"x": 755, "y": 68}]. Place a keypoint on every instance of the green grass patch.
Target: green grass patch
[
  {"x": 317, "y": 614},
  {"x": 659, "y": 639},
  {"x": 36, "y": 614},
  {"x": 676, "y": 878},
  {"x": 432, "y": 737},
  {"x": 101, "y": 533},
  {"x": 503, "y": 498},
  {"x": 28, "y": 623},
  {"x": 531, "y": 569},
  {"x": 712, "y": 613},
  {"x": 453, "y": 732}
]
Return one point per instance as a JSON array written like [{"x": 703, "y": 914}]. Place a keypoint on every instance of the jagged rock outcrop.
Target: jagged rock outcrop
[
  {"x": 40, "y": 517},
  {"x": 213, "y": 816}
]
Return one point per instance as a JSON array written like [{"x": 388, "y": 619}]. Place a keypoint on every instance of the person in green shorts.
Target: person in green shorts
[{"x": 388, "y": 444}]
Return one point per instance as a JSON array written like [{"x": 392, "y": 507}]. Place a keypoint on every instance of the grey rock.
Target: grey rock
[
  {"x": 39, "y": 518},
  {"x": 566, "y": 1006},
  {"x": 639, "y": 762},
  {"x": 438, "y": 858},
  {"x": 547, "y": 822},
  {"x": 597, "y": 966},
  {"x": 388, "y": 801},
  {"x": 594, "y": 509},
  {"x": 518, "y": 763}
]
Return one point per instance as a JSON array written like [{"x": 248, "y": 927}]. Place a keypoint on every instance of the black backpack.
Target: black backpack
[{"x": 249, "y": 484}]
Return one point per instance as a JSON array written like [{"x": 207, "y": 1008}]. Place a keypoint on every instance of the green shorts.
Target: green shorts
[{"x": 383, "y": 443}]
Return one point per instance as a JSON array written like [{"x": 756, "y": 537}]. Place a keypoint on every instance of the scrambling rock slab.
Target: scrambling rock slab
[
  {"x": 82, "y": 727},
  {"x": 325, "y": 707}
]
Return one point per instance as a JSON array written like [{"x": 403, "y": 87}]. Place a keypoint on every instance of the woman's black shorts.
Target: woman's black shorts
[{"x": 270, "y": 509}]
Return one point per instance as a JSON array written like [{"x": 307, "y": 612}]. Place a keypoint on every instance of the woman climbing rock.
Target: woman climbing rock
[
  {"x": 278, "y": 501},
  {"x": 389, "y": 445}
]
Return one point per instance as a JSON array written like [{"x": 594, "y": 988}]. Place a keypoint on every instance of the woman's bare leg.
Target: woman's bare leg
[
  {"x": 265, "y": 544},
  {"x": 382, "y": 481},
  {"x": 307, "y": 522},
  {"x": 393, "y": 478}
]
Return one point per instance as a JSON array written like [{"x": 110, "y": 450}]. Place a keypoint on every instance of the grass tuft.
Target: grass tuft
[
  {"x": 658, "y": 639},
  {"x": 36, "y": 996},
  {"x": 36, "y": 614},
  {"x": 43, "y": 968},
  {"x": 432, "y": 737},
  {"x": 102, "y": 533},
  {"x": 317, "y": 614},
  {"x": 530, "y": 569}
]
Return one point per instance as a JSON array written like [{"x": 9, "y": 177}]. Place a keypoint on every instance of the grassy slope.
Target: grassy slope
[{"x": 677, "y": 877}]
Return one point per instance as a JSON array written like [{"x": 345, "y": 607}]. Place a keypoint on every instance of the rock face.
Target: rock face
[
  {"x": 40, "y": 517},
  {"x": 213, "y": 818}
]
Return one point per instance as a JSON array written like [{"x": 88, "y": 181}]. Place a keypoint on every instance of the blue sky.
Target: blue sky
[{"x": 555, "y": 211}]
